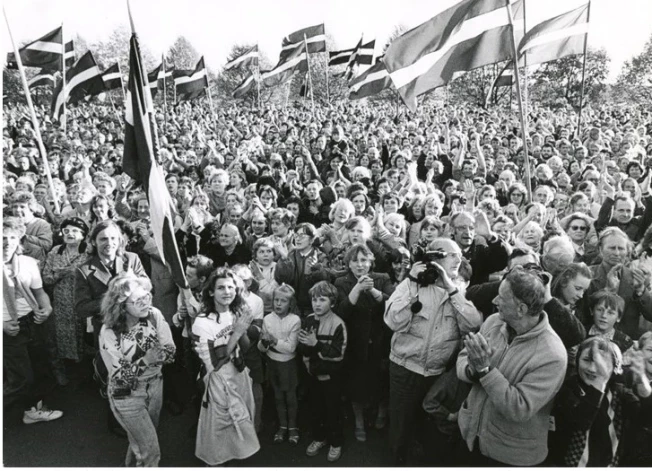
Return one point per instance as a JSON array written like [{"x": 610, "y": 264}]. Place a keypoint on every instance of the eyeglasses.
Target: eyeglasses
[
  {"x": 143, "y": 301},
  {"x": 517, "y": 194},
  {"x": 301, "y": 234},
  {"x": 578, "y": 228},
  {"x": 71, "y": 230}
]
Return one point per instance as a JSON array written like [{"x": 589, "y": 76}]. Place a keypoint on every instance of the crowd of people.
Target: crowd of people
[{"x": 343, "y": 261}]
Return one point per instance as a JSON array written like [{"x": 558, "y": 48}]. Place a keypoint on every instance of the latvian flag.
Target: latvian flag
[
  {"x": 249, "y": 58},
  {"x": 470, "y": 34},
  {"x": 44, "y": 78},
  {"x": 371, "y": 82},
  {"x": 112, "y": 77},
  {"x": 365, "y": 55},
  {"x": 45, "y": 52},
  {"x": 191, "y": 83},
  {"x": 157, "y": 74},
  {"x": 315, "y": 36},
  {"x": 139, "y": 161},
  {"x": 561, "y": 36},
  {"x": 295, "y": 61},
  {"x": 248, "y": 84},
  {"x": 82, "y": 80}
]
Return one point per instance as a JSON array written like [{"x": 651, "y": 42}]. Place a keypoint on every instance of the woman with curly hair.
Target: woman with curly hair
[
  {"x": 226, "y": 420},
  {"x": 135, "y": 341}
]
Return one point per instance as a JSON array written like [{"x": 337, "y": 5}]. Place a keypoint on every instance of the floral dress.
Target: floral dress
[{"x": 59, "y": 275}]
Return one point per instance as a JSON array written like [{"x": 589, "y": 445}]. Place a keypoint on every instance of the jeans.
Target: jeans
[
  {"x": 327, "y": 415},
  {"x": 27, "y": 370},
  {"x": 138, "y": 414},
  {"x": 406, "y": 393}
]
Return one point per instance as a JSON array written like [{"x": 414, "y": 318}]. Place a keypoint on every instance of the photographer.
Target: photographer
[{"x": 429, "y": 316}]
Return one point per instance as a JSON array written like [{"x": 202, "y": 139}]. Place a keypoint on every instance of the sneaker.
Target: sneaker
[
  {"x": 314, "y": 448},
  {"x": 41, "y": 413},
  {"x": 334, "y": 453}
]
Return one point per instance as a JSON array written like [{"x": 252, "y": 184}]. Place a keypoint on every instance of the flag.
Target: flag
[
  {"x": 296, "y": 61},
  {"x": 249, "y": 58},
  {"x": 45, "y": 52},
  {"x": 371, "y": 82},
  {"x": 191, "y": 83},
  {"x": 315, "y": 36},
  {"x": 365, "y": 55},
  {"x": 303, "y": 91},
  {"x": 112, "y": 77},
  {"x": 352, "y": 66},
  {"x": 139, "y": 161},
  {"x": 43, "y": 79},
  {"x": 152, "y": 79},
  {"x": 557, "y": 37},
  {"x": 248, "y": 84},
  {"x": 504, "y": 79},
  {"x": 470, "y": 34},
  {"x": 83, "y": 79}
]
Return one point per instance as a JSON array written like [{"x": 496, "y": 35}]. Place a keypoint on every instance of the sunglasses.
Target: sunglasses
[{"x": 578, "y": 228}]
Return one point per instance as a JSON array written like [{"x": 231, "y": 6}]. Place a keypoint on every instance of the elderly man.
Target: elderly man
[
  {"x": 516, "y": 364},
  {"x": 429, "y": 317},
  {"x": 618, "y": 211},
  {"x": 484, "y": 250}
]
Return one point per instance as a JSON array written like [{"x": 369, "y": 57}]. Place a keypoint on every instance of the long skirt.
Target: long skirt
[{"x": 226, "y": 420}]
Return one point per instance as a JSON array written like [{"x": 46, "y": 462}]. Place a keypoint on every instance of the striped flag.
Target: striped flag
[
  {"x": 504, "y": 79},
  {"x": 365, "y": 55},
  {"x": 371, "y": 82},
  {"x": 248, "y": 84},
  {"x": 191, "y": 83},
  {"x": 112, "y": 77},
  {"x": 44, "y": 78},
  {"x": 83, "y": 79},
  {"x": 470, "y": 34},
  {"x": 315, "y": 37},
  {"x": 296, "y": 61},
  {"x": 152, "y": 79},
  {"x": 45, "y": 52},
  {"x": 557, "y": 37},
  {"x": 249, "y": 58},
  {"x": 139, "y": 161}
]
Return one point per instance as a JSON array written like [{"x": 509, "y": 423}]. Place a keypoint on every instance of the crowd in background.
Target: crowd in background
[{"x": 343, "y": 261}]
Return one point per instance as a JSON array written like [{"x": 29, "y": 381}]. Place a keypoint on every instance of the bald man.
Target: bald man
[{"x": 229, "y": 249}]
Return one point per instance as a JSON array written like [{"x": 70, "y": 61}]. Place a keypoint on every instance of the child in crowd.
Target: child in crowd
[
  {"x": 607, "y": 310},
  {"x": 322, "y": 341},
  {"x": 263, "y": 268},
  {"x": 279, "y": 341}
]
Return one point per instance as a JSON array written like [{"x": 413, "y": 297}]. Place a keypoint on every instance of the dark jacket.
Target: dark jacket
[
  {"x": 486, "y": 257},
  {"x": 326, "y": 357},
  {"x": 291, "y": 270}
]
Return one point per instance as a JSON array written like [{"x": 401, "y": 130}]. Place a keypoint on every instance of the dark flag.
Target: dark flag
[
  {"x": 191, "y": 83},
  {"x": 82, "y": 80},
  {"x": 152, "y": 78},
  {"x": 249, "y": 58},
  {"x": 112, "y": 77},
  {"x": 45, "y": 78},
  {"x": 139, "y": 161},
  {"x": 296, "y": 61},
  {"x": 248, "y": 84},
  {"x": 45, "y": 52},
  {"x": 315, "y": 37},
  {"x": 371, "y": 82}
]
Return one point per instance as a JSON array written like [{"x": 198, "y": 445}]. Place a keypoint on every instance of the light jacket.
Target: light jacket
[
  {"x": 508, "y": 409},
  {"x": 425, "y": 342}
]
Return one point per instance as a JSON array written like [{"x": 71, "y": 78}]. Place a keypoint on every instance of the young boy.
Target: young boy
[
  {"x": 607, "y": 310},
  {"x": 322, "y": 341}
]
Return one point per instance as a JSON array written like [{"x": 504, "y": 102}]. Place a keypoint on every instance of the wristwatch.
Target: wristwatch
[{"x": 483, "y": 371}]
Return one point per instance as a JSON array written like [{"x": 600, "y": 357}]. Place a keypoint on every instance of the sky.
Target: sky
[{"x": 214, "y": 26}]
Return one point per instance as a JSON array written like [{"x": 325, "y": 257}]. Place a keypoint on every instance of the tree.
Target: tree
[
  {"x": 558, "y": 83},
  {"x": 474, "y": 86},
  {"x": 182, "y": 54},
  {"x": 634, "y": 82},
  {"x": 116, "y": 49}
]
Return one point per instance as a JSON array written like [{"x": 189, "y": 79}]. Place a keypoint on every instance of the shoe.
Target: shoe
[
  {"x": 360, "y": 434},
  {"x": 279, "y": 436},
  {"x": 294, "y": 436},
  {"x": 314, "y": 448},
  {"x": 40, "y": 413},
  {"x": 334, "y": 453},
  {"x": 381, "y": 422}
]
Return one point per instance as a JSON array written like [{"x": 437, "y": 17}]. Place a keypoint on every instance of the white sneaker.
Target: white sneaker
[
  {"x": 314, "y": 448},
  {"x": 41, "y": 413},
  {"x": 334, "y": 453}
]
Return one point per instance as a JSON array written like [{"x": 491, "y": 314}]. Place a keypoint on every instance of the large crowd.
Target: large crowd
[{"x": 342, "y": 258}]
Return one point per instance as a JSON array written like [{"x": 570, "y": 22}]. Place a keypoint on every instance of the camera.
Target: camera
[{"x": 429, "y": 258}]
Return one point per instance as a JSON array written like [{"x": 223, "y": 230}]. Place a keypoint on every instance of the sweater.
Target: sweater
[
  {"x": 508, "y": 410},
  {"x": 286, "y": 331}
]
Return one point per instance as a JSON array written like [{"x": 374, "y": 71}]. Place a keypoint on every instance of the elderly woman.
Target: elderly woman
[
  {"x": 530, "y": 236},
  {"x": 59, "y": 275},
  {"x": 557, "y": 254},
  {"x": 135, "y": 341},
  {"x": 592, "y": 411},
  {"x": 581, "y": 231},
  {"x": 362, "y": 303},
  {"x": 226, "y": 420}
]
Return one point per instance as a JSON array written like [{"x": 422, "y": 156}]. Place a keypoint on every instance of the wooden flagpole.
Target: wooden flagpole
[
  {"x": 258, "y": 80},
  {"x": 312, "y": 96},
  {"x": 586, "y": 40},
  {"x": 525, "y": 76},
  {"x": 115, "y": 110},
  {"x": 32, "y": 112},
  {"x": 122, "y": 87},
  {"x": 520, "y": 104},
  {"x": 63, "y": 78},
  {"x": 165, "y": 95}
]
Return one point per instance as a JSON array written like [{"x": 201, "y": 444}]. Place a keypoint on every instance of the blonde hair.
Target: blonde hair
[{"x": 112, "y": 309}]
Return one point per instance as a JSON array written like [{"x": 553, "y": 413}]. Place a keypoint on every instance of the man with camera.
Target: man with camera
[{"x": 429, "y": 316}]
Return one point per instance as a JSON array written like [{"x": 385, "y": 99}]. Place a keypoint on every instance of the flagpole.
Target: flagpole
[
  {"x": 525, "y": 84},
  {"x": 258, "y": 70},
  {"x": 165, "y": 99},
  {"x": 32, "y": 112},
  {"x": 122, "y": 86},
  {"x": 63, "y": 78},
  {"x": 312, "y": 96},
  {"x": 586, "y": 40},
  {"x": 520, "y": 103},
  {"x": 115, "y": 110}
]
